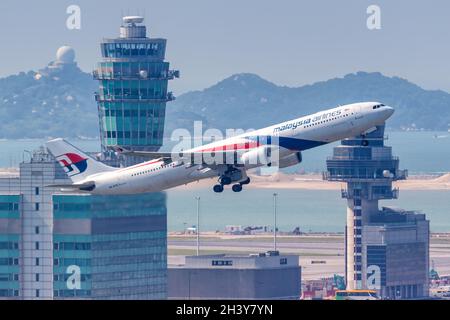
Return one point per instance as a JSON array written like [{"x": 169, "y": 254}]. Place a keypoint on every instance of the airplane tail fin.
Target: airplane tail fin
[{"x": 77, "y": 165}]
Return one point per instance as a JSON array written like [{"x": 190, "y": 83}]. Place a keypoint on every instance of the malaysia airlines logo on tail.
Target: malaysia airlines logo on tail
[{"x": 72, "y": 163}]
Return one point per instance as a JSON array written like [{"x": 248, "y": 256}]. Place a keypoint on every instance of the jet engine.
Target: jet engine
[
  {"x": 290, "y": 160},
  {"x": 257, "y": 157}
]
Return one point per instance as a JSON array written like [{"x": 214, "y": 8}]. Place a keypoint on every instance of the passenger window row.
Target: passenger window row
[
  {"x": 154, "y": 169},
  {"x": 324, "y": 121}
]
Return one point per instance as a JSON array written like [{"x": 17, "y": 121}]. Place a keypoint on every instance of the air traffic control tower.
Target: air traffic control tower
[
  {"x": 388, "y": 249},
  {"x": 133, "y": 90}
]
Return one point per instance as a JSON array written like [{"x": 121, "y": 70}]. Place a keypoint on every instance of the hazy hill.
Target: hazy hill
[
  {"x": 51, "y": 103},
  {"x": 41, "y": 104},
  {"x": 248, "y": 101}
]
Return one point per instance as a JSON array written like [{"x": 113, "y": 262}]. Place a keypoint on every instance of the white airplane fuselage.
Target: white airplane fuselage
[{"x": 292, "y": 137}]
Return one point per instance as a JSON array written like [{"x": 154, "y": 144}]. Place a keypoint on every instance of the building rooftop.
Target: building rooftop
[
  {"x": 389, "y": 215},
  {"x": 265, "y": 260}
]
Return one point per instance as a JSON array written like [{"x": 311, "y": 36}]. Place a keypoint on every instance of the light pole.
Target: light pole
[
  {"x": 275, "y": 221},
  {"x": 198, "y": 225}
]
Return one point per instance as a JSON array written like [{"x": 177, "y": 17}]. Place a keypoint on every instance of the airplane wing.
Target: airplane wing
[
  {"x": 188, "y": 156},
  {"x": 226, "y": 164}
]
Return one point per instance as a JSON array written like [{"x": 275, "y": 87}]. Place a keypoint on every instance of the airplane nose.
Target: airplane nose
[{"x": 388, "y": 111}]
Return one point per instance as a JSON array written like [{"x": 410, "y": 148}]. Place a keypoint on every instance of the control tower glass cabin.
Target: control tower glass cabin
[{"x": 133, "y": 80}]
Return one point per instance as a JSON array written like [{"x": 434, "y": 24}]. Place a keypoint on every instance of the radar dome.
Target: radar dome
[{"x": 65, "y": 54}]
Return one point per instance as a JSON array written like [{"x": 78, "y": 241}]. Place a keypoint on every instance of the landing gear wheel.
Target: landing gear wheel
[
  {"x": 246, "y": 181},
  {"x": 218, "y": 188},
  {"x": 236, "y": 187},
  {"x": 225, "y": 180}
]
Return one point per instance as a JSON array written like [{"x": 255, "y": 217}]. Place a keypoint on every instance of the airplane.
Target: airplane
[{"x": 228, "y": 159}]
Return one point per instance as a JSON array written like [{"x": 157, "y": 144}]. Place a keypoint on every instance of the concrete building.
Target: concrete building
[
  {"x": 260, "y": 276},
  {"x": 26, "y": 226},
  {"x": 78, "y": 246},
  {"x": 396, "y": 251},
  {"x": 375, "y": 238},
  {"x": 68, "y": 246},
  {"x": 63, "y": 64},
  {"x": 133, "y": 78},
  {"x": 71, "y": 246},
  {"x": 110, "y": 247}
]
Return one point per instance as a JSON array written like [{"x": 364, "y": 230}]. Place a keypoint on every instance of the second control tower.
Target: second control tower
[
  {"x": 386, "y": 249},
  {"x": 133, "y": 89},
  {"x": 369, "y": 169}
]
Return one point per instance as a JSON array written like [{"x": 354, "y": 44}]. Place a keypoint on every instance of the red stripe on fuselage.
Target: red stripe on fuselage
[{"x": 232, "y": 147}]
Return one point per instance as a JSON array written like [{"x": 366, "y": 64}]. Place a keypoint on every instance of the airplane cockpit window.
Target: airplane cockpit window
[{"x": 378, "y": 106}]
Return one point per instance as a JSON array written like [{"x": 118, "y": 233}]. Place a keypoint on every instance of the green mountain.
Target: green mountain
[
  {"x": 59, "y": 102},
  {"x": 48, "y": 103},
  {"x": 248, "y": 101}
]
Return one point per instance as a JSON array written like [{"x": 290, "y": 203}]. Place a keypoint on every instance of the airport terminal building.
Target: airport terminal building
[
  {"x": 79, "y": 246},
  {"x": 74, "y": 246},
  {"x": 396, "y": 250},
  {"x": 258, "y": 276}
]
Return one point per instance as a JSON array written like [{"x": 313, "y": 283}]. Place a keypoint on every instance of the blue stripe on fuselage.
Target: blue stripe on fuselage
[{"x": 298, "y": 144}]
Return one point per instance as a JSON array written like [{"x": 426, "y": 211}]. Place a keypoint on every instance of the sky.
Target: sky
[{"x": 289, "y": 42}]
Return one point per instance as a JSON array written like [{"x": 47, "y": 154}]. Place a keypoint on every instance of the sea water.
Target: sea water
[{"x": 311, "y": 210}]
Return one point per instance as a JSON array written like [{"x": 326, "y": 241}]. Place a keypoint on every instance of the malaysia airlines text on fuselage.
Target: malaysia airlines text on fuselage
[
  {"x": 290, "y": 137},
  {"x": 331, "y": 114}
]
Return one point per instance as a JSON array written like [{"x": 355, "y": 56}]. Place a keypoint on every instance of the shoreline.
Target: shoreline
[
  {"x": 308, "y": 181},
  {"x": 314, "y": 182},
  {"x": 268, "y": 236}
]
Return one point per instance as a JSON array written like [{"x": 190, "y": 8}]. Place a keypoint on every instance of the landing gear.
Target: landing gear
[
  {"x": 224, "y": 180},
  {"x": 237, "y": 187},
  {"x": 231, "y": 175}
]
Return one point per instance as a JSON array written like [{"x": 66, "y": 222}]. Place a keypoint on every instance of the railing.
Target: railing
[
  {"x": 393, "y": 194},
  {"x": 109, "y": 97},
  {"x": 343, "y": 177},
  {"x": 170, "y": 75},
  {"x": 399, "y": 175}
]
